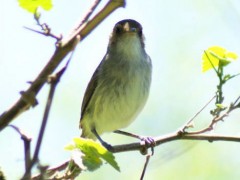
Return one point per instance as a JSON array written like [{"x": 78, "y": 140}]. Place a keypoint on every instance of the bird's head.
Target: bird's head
[{"x": 127, "y": 33}]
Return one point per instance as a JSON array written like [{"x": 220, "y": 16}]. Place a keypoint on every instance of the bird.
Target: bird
[{"x": 120, "y": 85}]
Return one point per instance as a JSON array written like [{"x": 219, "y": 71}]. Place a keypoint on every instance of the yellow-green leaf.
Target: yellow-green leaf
[
  {"x": 90, "y": 154},
  {"x": 32, "y": 5},
  {"x": 216, "y": 55}
]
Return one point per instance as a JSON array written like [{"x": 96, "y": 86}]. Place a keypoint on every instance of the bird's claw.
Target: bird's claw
[
  {"x": 108, "y": 146},
  {"x": 148, "y": 142}
]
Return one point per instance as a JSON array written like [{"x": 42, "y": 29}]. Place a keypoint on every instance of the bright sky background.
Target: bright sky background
[{"x": 177, "y": 32}]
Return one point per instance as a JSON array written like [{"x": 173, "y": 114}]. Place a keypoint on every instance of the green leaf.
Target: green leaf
[
  {"x": 32, "y": 5},
  {"x": 89, "y": 155}
]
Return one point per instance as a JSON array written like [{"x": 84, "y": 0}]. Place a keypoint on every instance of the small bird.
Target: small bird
[{"x": 120, "y": 85}]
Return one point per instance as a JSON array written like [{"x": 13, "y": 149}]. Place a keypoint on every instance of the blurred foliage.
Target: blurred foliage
[{"x": 2, "y": 177}]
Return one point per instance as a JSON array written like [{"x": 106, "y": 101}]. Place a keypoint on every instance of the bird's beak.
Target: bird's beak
[{"x": 128, "y": 28}]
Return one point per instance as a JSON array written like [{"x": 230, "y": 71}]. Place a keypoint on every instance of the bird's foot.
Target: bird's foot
[
  {"x": 148, "y": 142},
  {"x": 107, "y": 146}
]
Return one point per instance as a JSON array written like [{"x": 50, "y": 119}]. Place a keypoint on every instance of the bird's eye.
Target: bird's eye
[
  {"x": 140, "y": 32},
  {"x": 118, "y": 29}
]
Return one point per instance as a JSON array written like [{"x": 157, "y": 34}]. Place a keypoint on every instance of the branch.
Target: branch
[
  {"x": 145, "y": 166},
  {"x": 178, "y": 135},
  {"x": 217, "y": 118},
  {"x": 53, "y": 81},
  {"x": 46, "y": 32},
  {"x": 62, "y": 50},
  {"x": 190, "y": 122},
  {"x": 139, "y": 146},
  {"x": 173, "y": 137},
  {"x": 88, "y": 14},
  {"x": 27, "y": 147}
]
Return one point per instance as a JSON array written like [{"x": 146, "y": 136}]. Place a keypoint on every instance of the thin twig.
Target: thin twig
[
  {"x": 88, "y": 14},
  {"x": 145, "y": 166},
  {"x": 42, "y": 129},
  {"x": 212, "y": 124},
  {"x": 27, "y": 146},
  {"x": 46, "y": 33},
  {"x": 87, "y": 27},
  {"x": 235, "y": 102},
  {"x": 53, "y": 80},
  {"x": 218, "y": 118},
  {"x": 191, "y": 120},
  {"x": 46, "y": 30}
]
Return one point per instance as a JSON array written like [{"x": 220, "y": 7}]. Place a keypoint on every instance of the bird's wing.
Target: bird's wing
[{"x": 90, "y": 90}]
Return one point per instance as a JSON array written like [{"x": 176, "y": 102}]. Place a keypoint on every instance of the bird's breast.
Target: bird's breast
[{"x": 121, "y": 93}]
